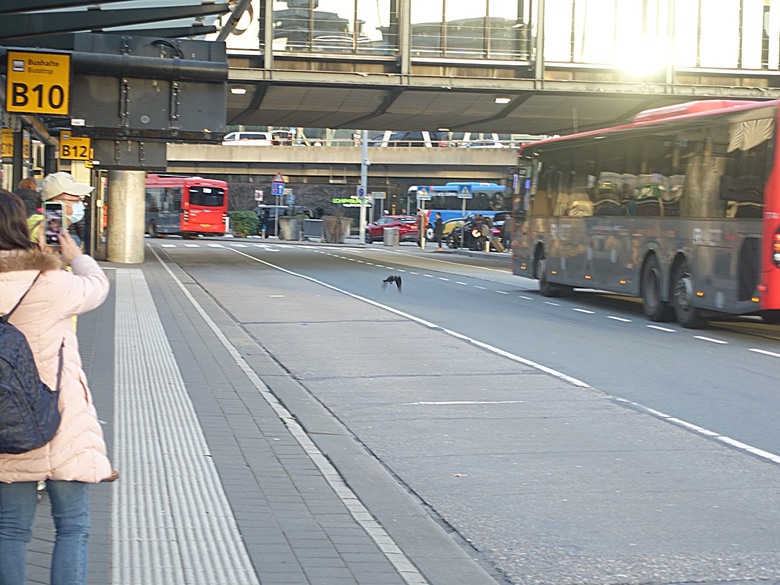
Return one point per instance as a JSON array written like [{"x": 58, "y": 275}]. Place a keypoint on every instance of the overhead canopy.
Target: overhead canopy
[{"x": 44, "y": 22}]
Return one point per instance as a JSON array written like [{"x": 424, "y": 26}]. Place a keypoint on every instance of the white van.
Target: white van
[{"x": 256, "y": 138}]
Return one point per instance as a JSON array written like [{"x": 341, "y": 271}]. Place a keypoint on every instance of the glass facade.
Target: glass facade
[
  {"x": 648, "y": 35},
  {"x": 368, "y": 27},
  {"x": 478, "y": 29},
  {"x": 638, "y": 36}
]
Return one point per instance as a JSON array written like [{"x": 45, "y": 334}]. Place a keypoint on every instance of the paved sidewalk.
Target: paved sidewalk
[{"x": 220, "y": 483}]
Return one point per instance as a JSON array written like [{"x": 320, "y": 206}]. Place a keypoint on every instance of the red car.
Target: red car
[{"x": 406, "y": 224}]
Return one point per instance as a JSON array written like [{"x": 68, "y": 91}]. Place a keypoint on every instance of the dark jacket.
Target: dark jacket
[{"x": 31, "y": 199}]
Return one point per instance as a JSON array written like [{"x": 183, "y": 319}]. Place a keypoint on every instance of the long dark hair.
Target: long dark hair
[{"x": 13, "y": 223}]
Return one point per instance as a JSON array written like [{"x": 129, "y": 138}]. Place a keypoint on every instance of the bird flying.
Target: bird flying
[{"x": 392, "y": 278}]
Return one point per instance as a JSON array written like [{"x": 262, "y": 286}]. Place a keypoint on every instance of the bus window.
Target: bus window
[{"x": 206, "y": 196}]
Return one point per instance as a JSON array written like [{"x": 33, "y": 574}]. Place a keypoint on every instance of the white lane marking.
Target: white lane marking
[
  {"x": 765, "y": 352},
  {"x": 360, "y": 513},
  {"x": 621, "y": 319},
  {"x": 238, "y": 245},
  {"x": 480, "y": 287},
  {"x": 502, "y": 292},
  {"x": 710, "y": 339},
  {"x": 167, "y": 245},
  {"x": 461, "y": 283},
  {"x": 659, "y": 328},
  {"x": 586, "y": 311},
  {"x": 445, "y": 279},
  {"x": 192, "y": 245},
  {"x": 427, "y": 276},
  {"x": 516, "y": 358},
  {"x": 216, "y": 246},
  {"x": 413, "y": 272},
  {"x": 773, "y": 457},
  {"x": 552, "y": 304},
  {"x": 466, "y": 402},
  {"x": 525, "y": 297}
]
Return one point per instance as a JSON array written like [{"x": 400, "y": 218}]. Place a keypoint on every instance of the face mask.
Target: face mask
[{"x": 76, "y": 212}]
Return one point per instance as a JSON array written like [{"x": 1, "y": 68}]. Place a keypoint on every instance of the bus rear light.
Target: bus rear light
[
  {"x": 623, "y": 281},
  {"x": 588, "y": 277},
  {"x": 186, "y": 215},
  {"x": 756, "y": 299},
  {"x": 776, "y": 249},
  {"x": 700, "y": 294},
  {"x": 523, "y": 266},
  {"x": 553, "y": 272},
  {"x": 761, "y": 288}
]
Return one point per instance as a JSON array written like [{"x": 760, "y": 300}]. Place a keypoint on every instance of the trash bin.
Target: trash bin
[
  {"x": 312, "y": 229},
  {"x": 392, "y": 236}
]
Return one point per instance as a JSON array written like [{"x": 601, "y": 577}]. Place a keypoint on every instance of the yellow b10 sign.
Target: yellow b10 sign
[
  {"x": 75, "y": 147},
  {"x": 37, "y": 83}
]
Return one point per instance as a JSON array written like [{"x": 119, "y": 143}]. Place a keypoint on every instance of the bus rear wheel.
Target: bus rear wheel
[
  {"x": 655, "y": 308},
  {"x": 683, "y": 294}
]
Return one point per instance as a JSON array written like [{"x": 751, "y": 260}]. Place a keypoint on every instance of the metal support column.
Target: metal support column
[
  {"x": 17, "y": 172},
  {"x": 405, "y": 37},
  {"x": 126, "y": 214}
]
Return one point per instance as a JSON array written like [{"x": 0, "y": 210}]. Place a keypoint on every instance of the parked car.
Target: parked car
[
  {"x": 267, "y": 214},
  {"x": 253, "y": 138},
  {"x": 406, "y": 224}
]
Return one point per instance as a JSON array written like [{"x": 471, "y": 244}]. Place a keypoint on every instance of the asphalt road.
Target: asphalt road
[{"x": 593, "y": 446}]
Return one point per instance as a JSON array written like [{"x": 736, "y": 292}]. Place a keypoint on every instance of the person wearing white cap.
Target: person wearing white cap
[{"x": 63, "y": 187}]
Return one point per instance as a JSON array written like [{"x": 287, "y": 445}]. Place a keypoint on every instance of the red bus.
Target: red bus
[
  {"x": 680, "y": 207},
  {"x": 188, "y": 206}
]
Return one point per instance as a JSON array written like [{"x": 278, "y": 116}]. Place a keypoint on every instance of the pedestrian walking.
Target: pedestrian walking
[
  {"x": 76, "y": 455},
  {"x": 438, "y": 231}
]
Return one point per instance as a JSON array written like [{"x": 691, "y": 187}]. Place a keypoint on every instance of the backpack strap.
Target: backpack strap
[
  {"x": 19, "y": 302},
  {"x": 62, "y": 345}
]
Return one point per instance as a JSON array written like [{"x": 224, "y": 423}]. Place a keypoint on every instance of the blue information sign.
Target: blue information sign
[{"x": 277, "y": 188}]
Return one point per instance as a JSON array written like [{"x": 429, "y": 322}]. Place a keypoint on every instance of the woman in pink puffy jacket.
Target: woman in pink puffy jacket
[{"x": 76, "y": 456}]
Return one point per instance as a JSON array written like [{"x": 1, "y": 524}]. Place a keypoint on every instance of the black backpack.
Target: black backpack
[{"x": 29, "y": 416}]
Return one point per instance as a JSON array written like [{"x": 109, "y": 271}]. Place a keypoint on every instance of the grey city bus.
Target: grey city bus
[{"x": 680, "y": 207}]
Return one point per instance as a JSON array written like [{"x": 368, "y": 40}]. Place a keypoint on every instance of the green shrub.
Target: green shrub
[{"x": 243, "y": 223}]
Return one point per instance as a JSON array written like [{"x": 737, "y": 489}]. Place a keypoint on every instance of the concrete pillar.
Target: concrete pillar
[{"x": 126, "y": 215}]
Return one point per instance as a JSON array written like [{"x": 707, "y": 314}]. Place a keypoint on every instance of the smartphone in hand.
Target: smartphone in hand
[{"x": 53, "y": 222}]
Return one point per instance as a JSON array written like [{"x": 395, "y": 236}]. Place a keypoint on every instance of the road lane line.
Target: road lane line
[
  {"x": 764, "y": 352},
  {"x": 659, "y": 328},
  {"x": 710, "y": 339}
]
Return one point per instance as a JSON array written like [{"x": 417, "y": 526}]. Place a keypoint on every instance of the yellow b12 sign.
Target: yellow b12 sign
[
  {"x": 37, "y": 83},
  {"x": 75, "y": 147},
  {"x": 7, "y": 149}
]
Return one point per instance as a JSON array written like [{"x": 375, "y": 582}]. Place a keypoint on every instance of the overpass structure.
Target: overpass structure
[{"x": 341, "y": 164}]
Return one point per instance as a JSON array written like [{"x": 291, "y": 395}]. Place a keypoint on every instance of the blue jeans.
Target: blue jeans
[{"x": 70, "y": 511}]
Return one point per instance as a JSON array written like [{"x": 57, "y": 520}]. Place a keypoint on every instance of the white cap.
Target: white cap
[{"x": 59, "y": 183}]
